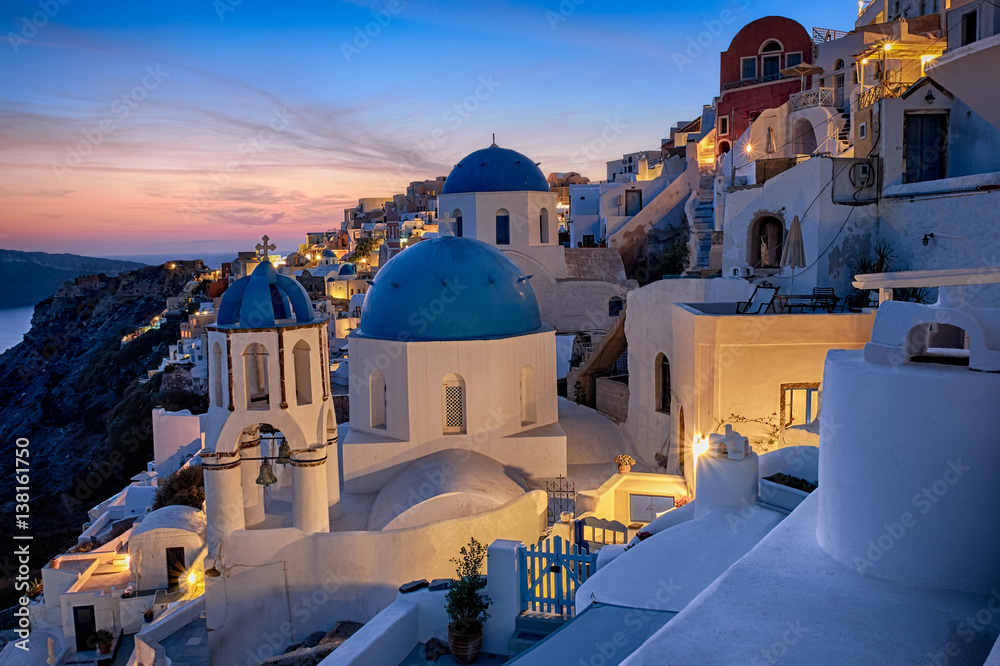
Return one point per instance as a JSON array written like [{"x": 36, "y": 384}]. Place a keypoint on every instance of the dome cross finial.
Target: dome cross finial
[
  {"x": 265, "y": 247},
  {"x": 494, "y": 138}
]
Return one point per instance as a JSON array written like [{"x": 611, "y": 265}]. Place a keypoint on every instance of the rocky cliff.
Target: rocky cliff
[
  {"x": 71, "y": 388},
  {"x": 32, "y": 276}
]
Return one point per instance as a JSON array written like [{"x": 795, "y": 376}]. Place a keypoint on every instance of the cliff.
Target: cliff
[
  {"x": 32, "y": 276},
  {"x": 72, "y": 389}
]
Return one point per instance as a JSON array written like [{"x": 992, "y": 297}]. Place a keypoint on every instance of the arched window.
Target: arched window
[
  {"x": 456, "y": 215},
  {"x": 377, "y": 399},
  {"x": 503, "y": 227},
  {"x": 938, "y": 343},
  {"x": 764, "y": 243},
  {"x": 724, "y": 148},
  {"x": 771, "y": 46},
  {"x": 529, "y": 410},
  {"x": 839, "y": 65},
  {"x": 331, "y": 427},
  {"x": 681, "y": 444},
  {"x": 543, "y": 226},
  {"x": 217, "y": 374},
  {"x": 303, "y": 376},
  {"x": 803, "y": 137},
  {"x": 615, "y": 306},
  {"x": 453, "y": 405},
  {"x": 662, "y": 383},
  {"x": 770, "y": 145},
  {"x": 255, "y": 376}
]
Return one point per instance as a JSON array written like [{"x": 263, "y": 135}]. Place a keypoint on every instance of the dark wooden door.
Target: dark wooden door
[
  {"x": 84, "y": 625},
  {"x": 633, "y": 202},
  {"x": 925, "y": 146},
  {"x": 175, "y": 566}
]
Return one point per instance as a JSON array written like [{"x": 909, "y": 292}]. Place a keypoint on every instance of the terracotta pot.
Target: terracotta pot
[
  {"x": 624, "y": 469},
  {"x": 465, "y": 647},
  {"x": 104, "y": 648}
]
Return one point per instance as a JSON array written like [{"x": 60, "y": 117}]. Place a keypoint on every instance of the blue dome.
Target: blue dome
[
  {"x": 495, "y": 169},
  {"x": 347, "y": 269},
  {"x": 328, "y": 253},
  {"x": 262, "y": 298},
  {"x": 449, "y": 288}
]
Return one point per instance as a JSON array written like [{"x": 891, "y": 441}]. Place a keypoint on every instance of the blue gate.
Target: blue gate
[{"x": 551, "y": 572}]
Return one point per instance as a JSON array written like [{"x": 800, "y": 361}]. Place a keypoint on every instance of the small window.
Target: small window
[
  {"x": 615, "y": 306},
  {"x": 771, "y": 65},
  {"x": 724, "y": 125},
  {"x": 503, "y": 227},
  {"x": 969, "y": 27},
  {"x": 793, "y": 59},
  {"x": 662, "y": 365},
  {"x": 543, "y": 226},
  {"x": 377, "y": 399},
  {"x": 799, "y": 404},
  {"x": 771, "y": 47},
  {"x": 839, "y": 65},
  {"x": 748, "y": 68},
  {"x": 863, "y": 131},
  {"x": 453, "y": 403}
]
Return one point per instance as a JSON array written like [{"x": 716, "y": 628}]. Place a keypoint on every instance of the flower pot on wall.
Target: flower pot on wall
[{"x": 465, "y": 647}]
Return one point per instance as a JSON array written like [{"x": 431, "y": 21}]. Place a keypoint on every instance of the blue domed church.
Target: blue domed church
[
  {"x": 500, "y": 197},
  {"x": 451, "y": 353}
]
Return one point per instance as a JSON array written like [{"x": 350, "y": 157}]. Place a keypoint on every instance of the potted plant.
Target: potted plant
[
  {"x": 624, "y": 462},
  {"x": 467, "y": 604},
  {"x": 103, "y": 639},
  {"x": 147, "y": 615}
]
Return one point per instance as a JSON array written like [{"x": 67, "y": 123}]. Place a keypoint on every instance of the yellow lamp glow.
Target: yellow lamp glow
[
  {"x": 749, "y": 148},
  {"x": 700, "y": 446},
  {"x": 887, "y": 47},
  {"x": 128, "y": 561},
  {"x": 865, "y": 61},
  {"x": 192, "y": 578}
]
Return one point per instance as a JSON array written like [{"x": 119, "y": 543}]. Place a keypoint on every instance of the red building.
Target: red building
[{"x": 750, "y": 74}]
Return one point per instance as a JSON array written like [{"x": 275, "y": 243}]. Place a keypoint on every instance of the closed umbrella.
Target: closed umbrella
[{"x": 793, "y": 253}]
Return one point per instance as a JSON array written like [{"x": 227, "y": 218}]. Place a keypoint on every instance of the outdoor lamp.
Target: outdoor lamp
[{"x": 266, "y": 476}]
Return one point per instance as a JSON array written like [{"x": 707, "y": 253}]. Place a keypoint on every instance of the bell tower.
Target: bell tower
[{"x": 270, "y": 408}]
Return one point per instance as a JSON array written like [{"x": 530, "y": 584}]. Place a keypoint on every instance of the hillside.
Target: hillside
[
  {"x": 72, "y": 390},
  {"x": 31, "y": 277}
]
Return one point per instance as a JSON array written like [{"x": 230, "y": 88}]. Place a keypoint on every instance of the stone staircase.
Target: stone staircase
[
  {"x": 531, "y": 628},
  {"x": 703, "y": 223},
  {"x": 844, "y": 137}
]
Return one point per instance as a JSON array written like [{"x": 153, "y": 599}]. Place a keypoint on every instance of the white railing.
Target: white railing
[{"x": 810, "y": 98}]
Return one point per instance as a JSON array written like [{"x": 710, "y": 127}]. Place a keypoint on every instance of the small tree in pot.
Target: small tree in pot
[
  {"x": 103, "y": 639},
  {"x": 467, "y": 604}
]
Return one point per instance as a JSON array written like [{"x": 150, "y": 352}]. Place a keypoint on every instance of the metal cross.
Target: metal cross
[{"x": 265, "y": 246}]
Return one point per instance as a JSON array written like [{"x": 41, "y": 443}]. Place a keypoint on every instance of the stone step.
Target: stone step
[{"x": 538, "y": 623}]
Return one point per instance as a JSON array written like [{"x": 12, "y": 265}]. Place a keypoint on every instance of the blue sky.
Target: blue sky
[{"x": 224, "y": 117}]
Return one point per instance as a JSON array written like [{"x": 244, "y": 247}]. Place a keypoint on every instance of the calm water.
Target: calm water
[{"x": 14, "y": 323}]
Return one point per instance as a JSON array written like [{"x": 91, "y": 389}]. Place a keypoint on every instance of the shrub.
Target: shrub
[{"x": 185, "y": 487}]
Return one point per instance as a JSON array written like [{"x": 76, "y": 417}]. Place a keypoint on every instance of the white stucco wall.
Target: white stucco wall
[
  {"x": 176, "y": 435},
  {"x": 649, "y": 332},
  {"x": 284, "y": 584}
]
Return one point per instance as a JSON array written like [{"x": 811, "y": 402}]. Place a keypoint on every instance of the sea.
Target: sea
[{"x": 15, "y": 322}]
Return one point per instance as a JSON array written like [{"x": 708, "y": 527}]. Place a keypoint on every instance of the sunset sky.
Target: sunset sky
[{"x": 152, "y": 127}]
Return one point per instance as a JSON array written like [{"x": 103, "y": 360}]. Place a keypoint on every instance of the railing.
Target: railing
[
  {"x": 746, "y": 83},
  {"x": 810, "y": 98},
  {"x": 562, "y": 497},
  {"x": 893, "y": 86},
  {"x": 551, "y": 573},
  {"x": 821, "y": 35}
]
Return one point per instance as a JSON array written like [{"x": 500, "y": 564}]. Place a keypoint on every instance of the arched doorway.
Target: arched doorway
[
  {"x": 764, "y": 242},
  {"x": 804, "y": 137}
]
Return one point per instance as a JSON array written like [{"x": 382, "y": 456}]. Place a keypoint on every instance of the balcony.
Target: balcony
[
  {"x": 810, "y": 98},
  {"x": 892, "y": 86},
  {"x": 821, "y": 35},
  {"x": 746, "y": 83}
]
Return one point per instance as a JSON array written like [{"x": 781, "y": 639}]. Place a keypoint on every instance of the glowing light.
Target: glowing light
[
  {"x": 887, "y": 47},
  {"x": 128, "y": 560},
  {"x": 749, "y": 148},
  {"x": 192, "y": 578},
  {"x": 172, "y": 266},
  {"x": 700, "y": 446},
  {"x": 927, "y": 58},
  {"x": 865, "y": 61}
]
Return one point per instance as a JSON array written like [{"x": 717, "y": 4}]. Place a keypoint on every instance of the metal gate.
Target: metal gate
[
  {"x": 562, "y": 497},
  {"x": 551, "y": 572}
]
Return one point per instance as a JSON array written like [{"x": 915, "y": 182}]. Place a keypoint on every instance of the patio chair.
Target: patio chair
[
  {"x": 824, "y": 298},
  {"x": 856, "y": 302},
  {"x": 760, "y": 301}
]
